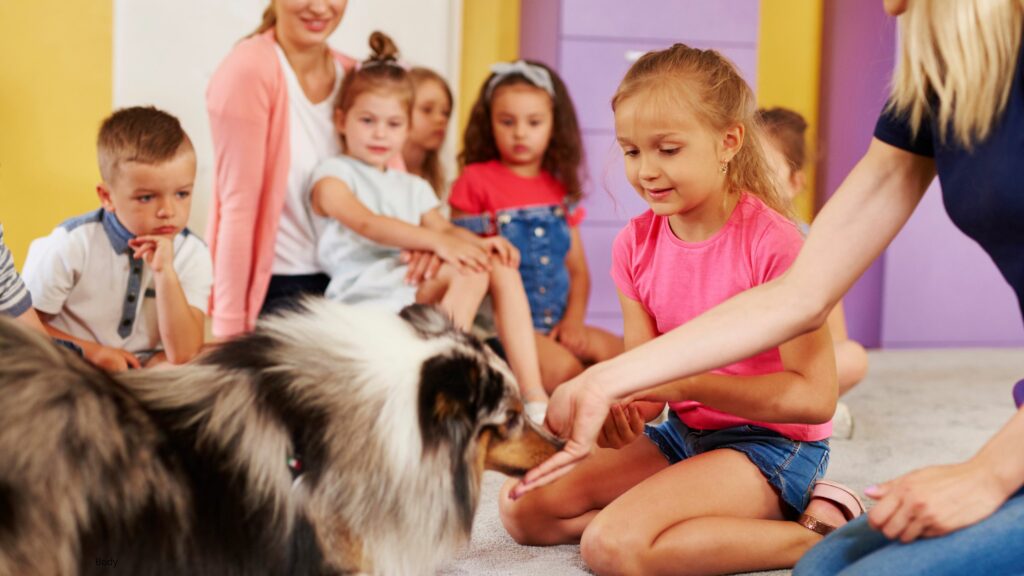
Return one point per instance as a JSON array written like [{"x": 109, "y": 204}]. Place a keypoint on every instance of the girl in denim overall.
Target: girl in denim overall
[
  {"x": 520, "y": 180},
  {"x": 730, "y": 481}
]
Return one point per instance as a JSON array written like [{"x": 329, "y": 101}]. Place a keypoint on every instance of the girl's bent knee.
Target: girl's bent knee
[{"x": 607, "y": 550}]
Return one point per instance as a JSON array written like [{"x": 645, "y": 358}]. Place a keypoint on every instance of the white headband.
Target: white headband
[{"x": 534, "y": 74}]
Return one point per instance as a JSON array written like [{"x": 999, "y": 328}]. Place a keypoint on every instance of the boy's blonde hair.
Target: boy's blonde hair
[
  {"x": 138, "y": 134},
  {"x": 713, "y": 89},
  {"x": 959, "y": 56}
]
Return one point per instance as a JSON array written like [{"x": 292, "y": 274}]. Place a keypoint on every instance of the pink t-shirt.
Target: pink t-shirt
[
  {"x": 489, "y": 187},
  {"x": 676, "y": 281}
]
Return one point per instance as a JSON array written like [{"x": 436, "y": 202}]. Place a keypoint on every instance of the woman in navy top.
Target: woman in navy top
[{"x": 956, "y": 111}]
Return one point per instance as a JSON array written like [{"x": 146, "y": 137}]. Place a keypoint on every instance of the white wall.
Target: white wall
[{"x": 166, "y": 50}]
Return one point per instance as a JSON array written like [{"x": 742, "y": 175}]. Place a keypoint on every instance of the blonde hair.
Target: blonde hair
[
  {"x": 959, "y": 56},
  {"x": 720, "y": 98},
  {"x": 433, "y": 171}
]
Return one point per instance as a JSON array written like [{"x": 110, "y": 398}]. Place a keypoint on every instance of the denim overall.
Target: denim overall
[{"x": 541, "y": 235}]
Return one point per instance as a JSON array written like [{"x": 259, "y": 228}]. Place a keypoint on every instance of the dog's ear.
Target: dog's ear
[
  {"x": 429, "y": 321},
  {"x": 454, "y": 391}
]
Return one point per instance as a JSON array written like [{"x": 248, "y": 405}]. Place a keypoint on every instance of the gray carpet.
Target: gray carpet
[{"x": 915, "y": 408}]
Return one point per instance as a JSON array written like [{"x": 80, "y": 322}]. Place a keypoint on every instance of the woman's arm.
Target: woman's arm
[
  {"x": 239, "y": 103},
  {"x": 861, "y": 219},
  {"x": 856, "y": 225}
]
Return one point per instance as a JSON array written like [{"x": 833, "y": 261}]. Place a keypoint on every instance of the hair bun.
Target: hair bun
[{"x": 383, "y": 47}]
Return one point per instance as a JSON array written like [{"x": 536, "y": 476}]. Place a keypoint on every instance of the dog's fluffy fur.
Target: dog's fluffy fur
[{"x": 183, "y": 471}]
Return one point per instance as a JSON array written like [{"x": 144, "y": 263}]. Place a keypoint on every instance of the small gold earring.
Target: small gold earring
[{"x": 724, "y": 168}]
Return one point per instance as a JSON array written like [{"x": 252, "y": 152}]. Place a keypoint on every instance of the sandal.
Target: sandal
[{"x": 842, "y": 497}]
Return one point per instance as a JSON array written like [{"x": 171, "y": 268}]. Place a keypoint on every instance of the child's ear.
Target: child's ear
[
  {"x": 104, "y": 195},
  {"x": 732, "y": 141}
]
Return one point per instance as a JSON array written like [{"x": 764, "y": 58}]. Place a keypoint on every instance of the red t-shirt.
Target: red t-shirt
[{"x": 489, "y": 187}]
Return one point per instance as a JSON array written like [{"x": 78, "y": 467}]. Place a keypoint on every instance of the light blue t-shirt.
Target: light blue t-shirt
[{"x": 361, "y": 270}]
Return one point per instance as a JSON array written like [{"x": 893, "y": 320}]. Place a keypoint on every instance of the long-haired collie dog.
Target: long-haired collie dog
[{"x": 332, "y": 440}]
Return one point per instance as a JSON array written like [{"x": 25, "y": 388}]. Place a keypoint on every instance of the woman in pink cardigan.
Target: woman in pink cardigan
[{"x": 270, "y": 104}]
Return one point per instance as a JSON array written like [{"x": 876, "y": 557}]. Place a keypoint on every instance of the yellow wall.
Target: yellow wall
[
  {"x": 490, "y": 33},
  {"x": 56, "y": 88},
  {"x": 789, "y": 70}
]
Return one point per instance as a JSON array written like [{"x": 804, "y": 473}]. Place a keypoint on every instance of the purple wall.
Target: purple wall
[
  {"x": 592, "y": 43},
  {"x": 858, "y": 47},
  {"x": 942, "y": 289}
]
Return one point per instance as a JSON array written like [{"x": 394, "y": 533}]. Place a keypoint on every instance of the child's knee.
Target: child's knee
[
  {"x": 607, "y": 549},
  {"x": 516, "y": 515},
  {"x": 556, "y": 369}
]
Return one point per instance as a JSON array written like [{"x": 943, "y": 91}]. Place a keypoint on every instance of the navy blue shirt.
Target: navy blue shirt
[{"x": 982, "y": 189}]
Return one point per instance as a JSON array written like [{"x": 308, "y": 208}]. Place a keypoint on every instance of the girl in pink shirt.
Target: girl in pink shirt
[{"x": 716, "y": 487}]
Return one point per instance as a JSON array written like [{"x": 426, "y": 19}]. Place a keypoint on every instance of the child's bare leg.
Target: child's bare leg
[
  {"x": 457, "y": 293},
  {"x": 557, "y": 363},
  {"x": 601, "y": 345},
  {"x": 515, "y": 329},
  {"x": 714, "y": 513},
  {"x": 558, "y": 513},
  {"x": 851, "y": 364}
]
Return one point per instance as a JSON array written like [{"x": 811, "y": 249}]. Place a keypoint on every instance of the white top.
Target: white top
[
  {"x": 83, "y": 274},
  {"x": 312, "y": 138},
  {"x": 361, "y": 270}
]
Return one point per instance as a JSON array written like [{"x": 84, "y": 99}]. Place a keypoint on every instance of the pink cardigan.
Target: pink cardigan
[{"x": 247, "y": 101}]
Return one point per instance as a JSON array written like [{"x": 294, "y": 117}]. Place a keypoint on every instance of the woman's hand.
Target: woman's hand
[
  {"x": 935, "y": 501},
  {"x": 422, "y": 266},
  {"x": 625, "y": 423},
  {"x": 577, "y": 412}
]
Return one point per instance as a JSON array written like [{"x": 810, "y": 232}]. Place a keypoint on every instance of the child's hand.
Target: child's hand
[
  {"x": 463, "y": 254},
  {"x": 506, "y": 252},
  {"x": 573, "y": 335},
  {"x": 157, "y": 251},
  {"x": 422, "y": 266},
  {"x": 111, "y": 359},
  {"x": 624, "y": 424}
]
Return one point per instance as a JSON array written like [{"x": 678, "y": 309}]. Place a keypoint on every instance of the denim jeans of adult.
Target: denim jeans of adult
[{"x": 992, "y": 547}]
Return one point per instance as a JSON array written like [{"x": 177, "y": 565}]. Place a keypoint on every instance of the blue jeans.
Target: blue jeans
[
  {"x": 542, "y": 236},
  {"x": 991, "y": 547},
  {"x": 790, "y": 466}
]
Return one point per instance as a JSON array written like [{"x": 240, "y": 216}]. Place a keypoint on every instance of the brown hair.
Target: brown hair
[
  {"x": 564, "y": 154},
  {"x": 378, "y": 73},
  {"x": 720, "y": 98},
  {"x": 138, "y": 134},
  {"x": 787, "y": 128},
  {"x": 433, "y": 171}
]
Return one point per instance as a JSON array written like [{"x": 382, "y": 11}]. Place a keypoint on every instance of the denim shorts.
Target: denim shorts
[{"x": 790, "y": 466}]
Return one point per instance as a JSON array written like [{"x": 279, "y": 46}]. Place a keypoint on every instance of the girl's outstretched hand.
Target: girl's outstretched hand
[
  {"x": 577, "y": 412},
  {"x": 625, "y": 423},
  {"x": 935, "y": 501}
]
